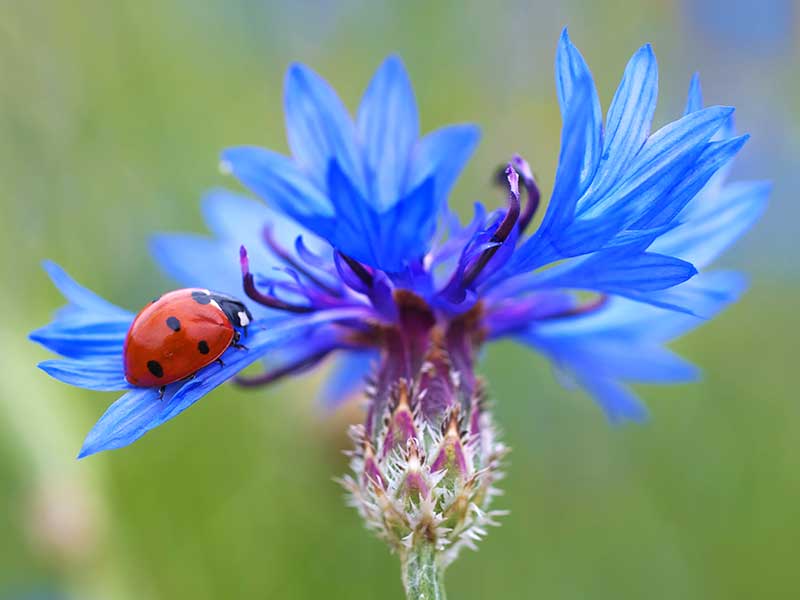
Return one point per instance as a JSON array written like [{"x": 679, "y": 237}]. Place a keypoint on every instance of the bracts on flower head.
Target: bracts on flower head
[{"x": 427, "y": 458}]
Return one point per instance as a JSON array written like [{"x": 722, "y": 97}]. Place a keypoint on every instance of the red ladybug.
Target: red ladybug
[{"x": 179, "y": 333}]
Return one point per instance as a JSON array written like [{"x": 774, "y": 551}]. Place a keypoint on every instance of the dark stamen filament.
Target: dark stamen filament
[
  {"x": 503, "y": 230},
  {"x": 281, "y": 253},
  {"x": 360, "y": 270},
  {"x": 532, "y": 190},
  {"x": 290, "y": 369},
  {"x": 264, "y": 299}
]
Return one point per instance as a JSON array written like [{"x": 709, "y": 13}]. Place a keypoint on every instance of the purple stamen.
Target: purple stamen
[
  {"x": 309, "y": 257},
  {"x": 532, "y": 190},
  {"x": 290, "y": 369},
  {"x": 360, "y": 270},
  {"x": 501, "y": 233},
  {"x": 282, "y": 254},
  {"x": 266, "y": 300}
]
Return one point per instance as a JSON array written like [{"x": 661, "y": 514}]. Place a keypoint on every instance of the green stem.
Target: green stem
[{"x": 423, "y": 576}]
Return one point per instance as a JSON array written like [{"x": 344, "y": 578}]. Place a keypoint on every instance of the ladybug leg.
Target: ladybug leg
[
  {"x": 236, "y": 344},
  {"x": 161, "y": 391},
  {"x": 221, "y": 364}
]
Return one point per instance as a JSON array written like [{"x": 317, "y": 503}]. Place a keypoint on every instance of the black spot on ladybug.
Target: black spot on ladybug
[
  {"x": 201, "y": 297},
  {"x": 202, "y": 345},
  {"x": 173, "y": 323},
  {"x": 155, "y": 368}
]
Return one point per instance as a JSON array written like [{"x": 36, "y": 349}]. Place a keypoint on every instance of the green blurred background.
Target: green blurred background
[{"x": 112, "y": 115}]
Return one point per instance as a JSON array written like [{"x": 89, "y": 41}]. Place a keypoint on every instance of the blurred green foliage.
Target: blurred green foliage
[{"x": 111, "y": 118}]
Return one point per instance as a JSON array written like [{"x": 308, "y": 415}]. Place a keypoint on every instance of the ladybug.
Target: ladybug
[{"x": 179, "y": 333}]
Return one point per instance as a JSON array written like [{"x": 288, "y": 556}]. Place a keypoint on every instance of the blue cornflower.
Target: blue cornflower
[{"x": 354, "y": 252}]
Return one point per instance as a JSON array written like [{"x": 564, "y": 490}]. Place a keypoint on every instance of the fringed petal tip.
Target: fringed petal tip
[
  {"x": 128, "y": 419},
  {"x": 103, "y": 375},
  {"x": 77, "y": 295}
]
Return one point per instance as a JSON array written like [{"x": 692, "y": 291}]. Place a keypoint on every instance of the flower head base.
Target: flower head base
[{"x": 427, "y": 458}]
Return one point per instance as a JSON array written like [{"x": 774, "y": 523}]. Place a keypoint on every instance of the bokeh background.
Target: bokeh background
[{"x": 112, "y": 115}]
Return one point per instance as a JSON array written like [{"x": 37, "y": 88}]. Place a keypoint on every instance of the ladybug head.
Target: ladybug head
[{"x": 234, "y": 309}]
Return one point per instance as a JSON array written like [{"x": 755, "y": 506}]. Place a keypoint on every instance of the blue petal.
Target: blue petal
[
  {"x": 614, "y": 358},
  {"x": 649, "y": 199},
  {"x": 388, "y": 127},
  {"x": 625, "y": 319},
  {"x": 712, "y": 224},
  {"x": 616, "y": 400},
  {"x": 628, "y": 121},
  {"x": 571, "y": 69},
  {"x": 661, "y": 164},
  {"x": 406, "y": 230},
  {"x": 277, "y": 180},
  {"x": 385, "y": 241},
  {"x": 238, "y": 221},
  {"x": 233, "y": 216},
  {"x": 701, "y": 298},
  {"x": 618, "y": 272},
  {"x": 539, "y": 249},
  {"x": 125, "y": 421},
  {"x": 199, "y": 261},
  {"x": 621, "y": 341},
  {"x": 104, "y": 375},
  {"x": 680, "y": 136},
  {"x": 578, "y": 361},
  {"x": 694, "y": 100},
  {"x": 670, "y": 169},
  {"x": 140, "y": 410},
  {"x": 243, "y": 220},
  {"x": 561, "y": 209},
  {"x": 78, "y": 296},
  {"x": 442, "y": 154},
  {"x": 714, "y": 156},
  {"x": 88, "y": 327},
  {"x": 90, "y": 335},
  {"x": 355, "y": 229},
  {"x": 318, "y": 127}
]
